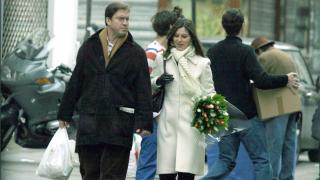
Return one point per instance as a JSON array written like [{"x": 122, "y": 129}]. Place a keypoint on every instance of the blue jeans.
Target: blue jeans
[
  {"x": 282, "y": 143},
  {"x": 147, "y": 163},
  {"x": 243, "y": 169},
  {"x": 254, "y": 141}
]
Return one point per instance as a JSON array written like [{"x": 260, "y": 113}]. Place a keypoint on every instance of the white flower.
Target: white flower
[{"x": 198, "y": 110}]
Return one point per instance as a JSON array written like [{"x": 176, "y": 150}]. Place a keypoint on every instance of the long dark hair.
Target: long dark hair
[{"x": 186, "y": 23}]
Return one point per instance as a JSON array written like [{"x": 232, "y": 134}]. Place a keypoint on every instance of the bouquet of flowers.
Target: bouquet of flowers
[{"x": 210, "y": 114}]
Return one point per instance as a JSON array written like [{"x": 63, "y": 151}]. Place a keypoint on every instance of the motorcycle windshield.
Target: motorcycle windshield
[
  {"x": 29, "y": 56},
  {"x": 32, "y": 45}
]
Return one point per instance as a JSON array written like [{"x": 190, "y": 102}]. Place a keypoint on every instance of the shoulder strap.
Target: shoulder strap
[{"x": 164, "y": 66}]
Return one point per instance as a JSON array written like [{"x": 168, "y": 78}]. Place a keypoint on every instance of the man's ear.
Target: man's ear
[{"x": 108, "y": 21}]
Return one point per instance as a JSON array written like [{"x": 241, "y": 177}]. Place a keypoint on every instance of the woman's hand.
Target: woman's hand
[{"x": 164, "y": 79}]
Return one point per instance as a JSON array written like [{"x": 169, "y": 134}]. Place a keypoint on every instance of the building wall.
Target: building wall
[
  {"x": 299, "y": 24},
  {"x": 296, "y": 19},
  {"x": 262, "y": 18},
  {"x": 21, "y": 18},
  {"x": 140, "y": 26},
  {"x": 314, "y": 54}
]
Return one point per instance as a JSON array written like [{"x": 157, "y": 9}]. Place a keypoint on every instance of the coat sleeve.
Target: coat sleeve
[
  {"x": 261, "y": 79},
  {"x": 206, "y": 79},
  {"x": 73, "y": 90},
  {"x": 142, "y": 87}
]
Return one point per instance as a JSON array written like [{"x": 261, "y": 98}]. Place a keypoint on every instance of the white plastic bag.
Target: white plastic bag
[
  {"x": 57, "y": 160},
  {"x": 134, "y": 153}
]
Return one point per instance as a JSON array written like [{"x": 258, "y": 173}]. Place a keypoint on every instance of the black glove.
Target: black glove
[{"x": 164, "y": 79}]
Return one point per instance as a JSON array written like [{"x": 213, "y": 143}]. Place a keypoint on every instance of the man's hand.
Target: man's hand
[
  {"x": 293, "y": 81},
  {"x": 143, "y": 132},
  {"x": 63, "y": 124}
]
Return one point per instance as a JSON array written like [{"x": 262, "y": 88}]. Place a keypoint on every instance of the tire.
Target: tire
[
  {"x": 7, "y": 136},
  {"x": 8, "y": 118},
  {"x": 314, "y": 155}
]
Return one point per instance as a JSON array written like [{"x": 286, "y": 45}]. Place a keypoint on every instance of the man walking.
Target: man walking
[
  {"x": 280, "y": 130},
  {"x": 233, "y": 66},
  {"x": 111, "y": 87}
]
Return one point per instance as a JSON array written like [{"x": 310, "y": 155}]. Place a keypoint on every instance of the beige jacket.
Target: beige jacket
[{"x": 276, "y": 62}]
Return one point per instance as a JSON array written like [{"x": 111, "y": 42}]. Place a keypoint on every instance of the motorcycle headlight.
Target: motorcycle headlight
[{"x": 43, "y": 81}]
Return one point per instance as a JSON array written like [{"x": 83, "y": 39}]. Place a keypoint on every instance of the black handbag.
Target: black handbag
[
  {"x": 158, "y": 96},
  {"x": 157, "y": 99}
]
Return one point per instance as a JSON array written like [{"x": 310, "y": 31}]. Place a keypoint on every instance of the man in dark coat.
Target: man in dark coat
[
  {"x": 233, "y": 66},
  {"x": 111, "y": 87}
]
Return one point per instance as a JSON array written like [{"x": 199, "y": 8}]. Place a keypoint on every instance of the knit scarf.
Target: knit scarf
[{"x": 191, "y": 86}]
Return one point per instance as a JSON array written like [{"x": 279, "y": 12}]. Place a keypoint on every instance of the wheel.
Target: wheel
[
  {"x": 314, "y": 155},
  {"x": 8, "y": 118},
  {"x": 7, "y": 136}
]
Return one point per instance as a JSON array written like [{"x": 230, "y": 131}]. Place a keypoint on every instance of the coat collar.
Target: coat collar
[
  {"x": 194, "y": 60},
  {"x": 96, "y": 36},
  {"x": 234, "y": 38}
]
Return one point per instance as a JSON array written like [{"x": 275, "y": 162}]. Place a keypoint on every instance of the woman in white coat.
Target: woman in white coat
[{"x": 181, "y": 148}]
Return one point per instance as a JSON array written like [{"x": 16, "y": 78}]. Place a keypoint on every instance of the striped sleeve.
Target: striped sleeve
[{"x": 151, "y": 56}]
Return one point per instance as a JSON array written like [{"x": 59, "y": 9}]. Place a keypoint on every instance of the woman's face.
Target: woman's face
[{"x": 181, "y": 39}]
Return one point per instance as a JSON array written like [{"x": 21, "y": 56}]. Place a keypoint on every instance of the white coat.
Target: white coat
[{"x": 181, "y": 148}]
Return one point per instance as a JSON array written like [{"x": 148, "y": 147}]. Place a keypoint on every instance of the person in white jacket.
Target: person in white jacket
[{"x": 181, "y": 148}]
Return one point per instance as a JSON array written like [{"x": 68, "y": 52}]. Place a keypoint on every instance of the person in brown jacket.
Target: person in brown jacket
[{"x": 280, "y": 130}]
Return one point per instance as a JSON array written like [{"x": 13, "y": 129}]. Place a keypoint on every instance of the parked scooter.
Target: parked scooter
[{"x": 31, "y": 93}]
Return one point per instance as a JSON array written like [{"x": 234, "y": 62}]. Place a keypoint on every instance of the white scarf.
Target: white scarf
[{"x": 191, "y": 86}]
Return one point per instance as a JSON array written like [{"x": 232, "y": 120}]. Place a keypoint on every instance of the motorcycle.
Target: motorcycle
[{"x": 31, "y": 93}]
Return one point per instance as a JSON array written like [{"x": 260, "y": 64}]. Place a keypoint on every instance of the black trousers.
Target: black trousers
[
  {"x": 181, "y": 176},
  {"x": 103, "y": 162}
]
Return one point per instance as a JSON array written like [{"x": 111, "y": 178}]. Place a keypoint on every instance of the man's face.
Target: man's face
[{"x": 119, "y": 23}]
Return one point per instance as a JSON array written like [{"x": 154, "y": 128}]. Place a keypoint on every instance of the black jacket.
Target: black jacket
[
  {"x": 233, "y": 65},
  {"x": 100, "y": 91}
]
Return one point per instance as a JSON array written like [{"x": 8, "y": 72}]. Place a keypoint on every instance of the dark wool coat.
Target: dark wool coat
[
  {"x": 100, "y": 91},
  {"x": 233, "y": 65}
]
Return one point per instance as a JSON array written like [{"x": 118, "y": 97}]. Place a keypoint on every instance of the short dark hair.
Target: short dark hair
[
  {"x": 186, "y": 23},
  {"x": 113, "y": 7},
  {"x": 162, "y": 20},
  {"x": 232, "y": 21}
]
